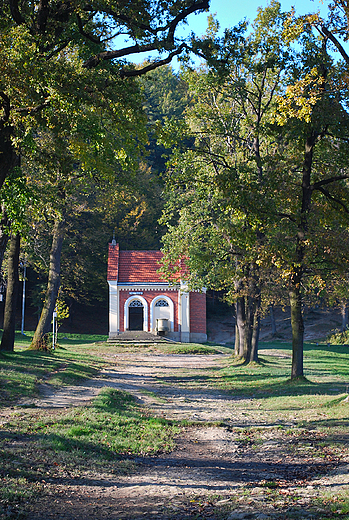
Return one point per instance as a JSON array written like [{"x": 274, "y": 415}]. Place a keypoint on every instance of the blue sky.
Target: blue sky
[{"x": 230, "y": 12}]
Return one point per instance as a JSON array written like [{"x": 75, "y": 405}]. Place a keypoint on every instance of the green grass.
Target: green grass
[
  {"x": 192, "y": 348},
  {"x": 61, "y": 445},
  {"x": 114, "y": 425},
  {"x": 22, "y": 370},
  {"x": 326, "y": 370}
]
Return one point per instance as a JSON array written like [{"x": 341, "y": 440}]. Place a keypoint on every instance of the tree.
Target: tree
[
  {"x": 228, "y": 166},
  {"x": 33, "y": 42},
  {"x": 313, "y": 110},
  {"x": 166, "y": 97},
  {"x": 8, "y": 337},
  {"x": 265, "y": 186},
  {"x": 65, "y": 167}
]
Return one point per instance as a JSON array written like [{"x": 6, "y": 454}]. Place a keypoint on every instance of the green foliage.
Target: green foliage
[
  {"x": 16, "y": 197},
  {"x": 339, "y": 338},
  {"x": 62, "y": 310},
  {"x": 234, "y": 198},
  {"x": 219, "y": 203}
]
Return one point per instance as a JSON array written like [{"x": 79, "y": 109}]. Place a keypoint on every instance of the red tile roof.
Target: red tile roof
[
  {"x": 135, "y": 266},
  {"x": 140, "y": 266}
]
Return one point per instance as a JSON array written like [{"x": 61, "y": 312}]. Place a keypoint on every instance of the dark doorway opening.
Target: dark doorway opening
[{"x": 135, "y": 318}]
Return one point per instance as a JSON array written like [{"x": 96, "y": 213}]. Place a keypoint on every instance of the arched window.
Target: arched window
[
  {"x": 161, "y": 303},
  {"x": 161, "y": 308},
  {"x": 136, "y": 303}
]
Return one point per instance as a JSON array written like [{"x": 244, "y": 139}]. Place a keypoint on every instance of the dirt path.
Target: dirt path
[{"x": 216, "y": 472}]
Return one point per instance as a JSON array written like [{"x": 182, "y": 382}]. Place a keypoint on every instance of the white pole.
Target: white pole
[
  {"x": 53, "y": 329},
  {"x": 23, "y": 296}
]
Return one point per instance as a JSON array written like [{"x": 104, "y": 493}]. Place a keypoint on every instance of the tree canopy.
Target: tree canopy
[{"x": 257, "y": 194}]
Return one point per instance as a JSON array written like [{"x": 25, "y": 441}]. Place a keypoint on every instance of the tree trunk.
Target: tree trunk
[
  {"x": 4, "y": 237},
  {"x": 256, "y": 326},
  {"x": 44, "y": 325},
  {"x": 344, "y": 313},
  {"x": 241, "y": 325},
  {"x": 8, "y": 337},
  {"x": 297, "y": 327},
  {"x": 272, "y": 320},
  {"x": 9, "y": 159},
  {"x": 248, "y": 324},
  {"x": 298, "y": 267},
  {"x": 237, "y": 341}
]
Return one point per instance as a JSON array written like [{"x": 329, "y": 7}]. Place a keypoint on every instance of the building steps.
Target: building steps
[{"x": 135, "y": 337}]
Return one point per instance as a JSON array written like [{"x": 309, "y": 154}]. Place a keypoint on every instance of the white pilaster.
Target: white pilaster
[
  {"x": 185, "y": 314},
  {"x": 113, "y": 309}
]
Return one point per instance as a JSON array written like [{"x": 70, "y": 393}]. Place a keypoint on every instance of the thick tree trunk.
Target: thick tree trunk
[
  {"x": 241, "y": 325},
  {"x": 44, "y": 325},
  {"x": 256, "y": 326},
  {"x": 8, "y": 337},
  {"x": 248, "y": 327},
  {"x": 9, "y": 159}
]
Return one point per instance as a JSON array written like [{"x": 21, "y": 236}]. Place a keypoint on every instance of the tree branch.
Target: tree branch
[
  {"x": 330, "y": 180},
  {"x": 197, "y": 6},
  {"x": 85, "y": 34},
  {"x": 166, "y": 43},
  {"x": 328, "y": 34},
  {"x": 331, "y": 197},
  {"x": 154, "y": 65},
  {"x": 110, "y": 55},
  {"x": 15, "y": 13},
  {"x": 33, "y": 110}
]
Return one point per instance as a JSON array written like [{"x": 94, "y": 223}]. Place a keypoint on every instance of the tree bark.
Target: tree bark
[
  {"x": 344, "y": 313},
  {"x": 298, "y": 267},
  {"x": 248, "y": 319},
  {"x": 272, "y": 320},
  {"x": 44, "y": 325},
  {"x": 9, "y": 158},
  {"x": 8, "y": 337},
  {"x": 297, "y": 330},
  {"x": 256, "y": 326},
  {"x": 241, "y": 325},
  {"x": 237, "y": 341}
]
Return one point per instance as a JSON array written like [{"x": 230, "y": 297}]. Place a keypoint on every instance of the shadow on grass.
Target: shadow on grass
[
  {"x": 46, "y": 462},
  {"x": 20, "y": 371}
]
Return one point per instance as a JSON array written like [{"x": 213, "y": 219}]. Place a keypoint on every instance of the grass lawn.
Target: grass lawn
[
  {"x": 22, "y": 370},
  {"x": 36, "y": 445}
]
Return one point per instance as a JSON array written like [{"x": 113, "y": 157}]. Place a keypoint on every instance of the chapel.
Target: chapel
[{"x": 139, "y": 299}]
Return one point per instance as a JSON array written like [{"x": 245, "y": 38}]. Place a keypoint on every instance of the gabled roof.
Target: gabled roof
[
  {"x": 140, "y": 266},
  {"x": 134, "y": 266}
]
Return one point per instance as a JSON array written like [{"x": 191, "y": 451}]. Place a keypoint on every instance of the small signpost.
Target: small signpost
[{"x": 54, "y": 329}]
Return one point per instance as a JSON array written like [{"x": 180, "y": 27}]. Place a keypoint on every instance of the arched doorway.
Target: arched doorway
[{"x": 135, "y": 315}]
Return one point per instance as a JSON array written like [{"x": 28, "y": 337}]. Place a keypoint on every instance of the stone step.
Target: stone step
[{"x": 138, "y": 338}]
